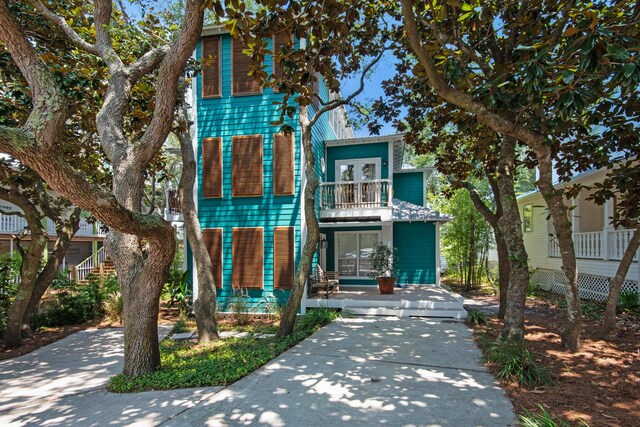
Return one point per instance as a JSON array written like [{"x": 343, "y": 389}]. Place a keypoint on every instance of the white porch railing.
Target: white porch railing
[
  {"x": 12, "y": 224},
  {"x": 85, "y": 229},
  {"x": 355, "y": 194},
  {"x": 592, "y": 245},
  {"x": 83, "y": 269}
]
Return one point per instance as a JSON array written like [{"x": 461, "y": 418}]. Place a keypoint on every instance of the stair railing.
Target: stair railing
[{"x": 85, "y": 268}]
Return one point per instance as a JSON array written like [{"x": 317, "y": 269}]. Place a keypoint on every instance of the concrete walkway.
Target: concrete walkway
[{"x": 358, "y": 371}]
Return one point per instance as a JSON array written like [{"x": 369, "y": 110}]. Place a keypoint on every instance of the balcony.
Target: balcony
[
  {"x": 602, "y": 245},
  {"x": 349, "y": 200},
  {"x": 12, "y": 224}
]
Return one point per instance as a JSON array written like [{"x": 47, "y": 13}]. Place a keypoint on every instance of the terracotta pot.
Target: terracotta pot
[{"x": 386, "y": 284}]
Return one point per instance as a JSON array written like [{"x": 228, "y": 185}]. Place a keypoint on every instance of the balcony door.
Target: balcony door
[{"x": 358, "y": 182}]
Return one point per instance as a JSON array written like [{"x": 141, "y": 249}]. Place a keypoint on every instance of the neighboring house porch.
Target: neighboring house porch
[{"x": 599, "y": 246}]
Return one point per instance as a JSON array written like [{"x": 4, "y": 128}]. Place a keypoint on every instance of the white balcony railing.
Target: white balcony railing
[
  {"x": 594, "y": 245},
  {"x": 12, "y": 224},
  {"x": 355, "y": 194}
]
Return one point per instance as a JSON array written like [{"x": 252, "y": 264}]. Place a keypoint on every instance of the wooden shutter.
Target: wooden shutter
[
  {"x": 279, "y": 40},
  {"x": 241, "y": 82},
  {"x": 212, "y": 167},
  {"x": 211, "y": 66},
  {"x": 246, "y": 168},
  {"x": 248, "y": 257},
  {"x": 283, "y": 257},
  {"x": 213, "y": 241},
  {"x": 283, "y": 164}
]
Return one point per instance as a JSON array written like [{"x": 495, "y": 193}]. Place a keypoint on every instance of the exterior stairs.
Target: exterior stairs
[{"x": 104, "y": 270}]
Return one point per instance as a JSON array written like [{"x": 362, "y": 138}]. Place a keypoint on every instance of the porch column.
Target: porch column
[
  {"x": 605, "y": 231},
  {"x": 437, "y": 254}
]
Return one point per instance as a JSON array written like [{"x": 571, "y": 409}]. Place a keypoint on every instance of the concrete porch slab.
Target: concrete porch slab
[{"x": 422, "y": 301}]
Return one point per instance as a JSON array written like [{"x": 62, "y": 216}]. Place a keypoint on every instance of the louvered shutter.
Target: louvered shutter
[
  {"x": 212, "y": 238},
  {"x": 246, "y": 168},
  {"x": 242, "y": 82},
  {"x": 283, "y": 257},
  {"x": 279, "y": 40},
  {"x": 211, "y": 68},
  {"x": 248, "y": 257},
  {"x": 283, "y": 164},
  {"x": 212, "y": 167}
]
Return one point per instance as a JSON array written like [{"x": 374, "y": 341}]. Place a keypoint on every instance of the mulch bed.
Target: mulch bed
[{"x": 599, "y": 385}]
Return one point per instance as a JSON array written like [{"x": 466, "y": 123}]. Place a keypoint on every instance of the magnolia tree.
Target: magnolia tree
[
  {"x": 142, "y": 245},
  {"x": 542, "y": 74}
]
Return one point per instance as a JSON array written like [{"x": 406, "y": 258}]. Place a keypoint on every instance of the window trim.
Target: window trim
[
  {"x": 233, "y": 93},
  {"x": 527, "y": 228},
  {"x": 219, "y": 59},
  {"x": 358, "y": 164},
  {"x": 378, "y": 233}
]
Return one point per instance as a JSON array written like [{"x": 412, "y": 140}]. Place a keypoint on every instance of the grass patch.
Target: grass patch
[
  {"x": 186, "y": 364},
  {"x": 542, "y": 419},
  {"x": 514, "y": 363},
  {"x": 180, "y": 327}
]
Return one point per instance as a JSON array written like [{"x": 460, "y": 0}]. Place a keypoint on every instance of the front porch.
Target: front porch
[{"x": 416, "y": 301}]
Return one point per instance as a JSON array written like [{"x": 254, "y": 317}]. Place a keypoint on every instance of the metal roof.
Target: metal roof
[{"x": 404, "y": 211}]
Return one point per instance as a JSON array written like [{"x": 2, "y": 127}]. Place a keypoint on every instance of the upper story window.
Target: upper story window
[
  {"x": 241, "y": 82},
  {"x": 527, "y": 217},
  {"x": 246, "y": 168},
  {"x": 211, "y": 60}
]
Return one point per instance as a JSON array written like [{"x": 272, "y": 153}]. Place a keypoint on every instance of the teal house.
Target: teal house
[{"x": 250, "y": 187}]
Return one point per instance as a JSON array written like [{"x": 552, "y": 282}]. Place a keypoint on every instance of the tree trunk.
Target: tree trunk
[
  {"x": 290, "y": 312},
  {"x": 204, "y": 305},
  {"x": 504, "y": 272},
  {"x": 562, "y": 225},
  {"x": 28, "y": 274},
  {"x": 142, "y": 268},
  {"x": 65, "y": 233},
  {"x": 504, "y": 268},
  {"x": 472, "y": 254},
  {"x": 511, "y": 227},
  {"x": 609, "y": 319}
]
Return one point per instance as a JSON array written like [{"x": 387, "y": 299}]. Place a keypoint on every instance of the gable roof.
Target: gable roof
[{"x": 404, "y": 211}]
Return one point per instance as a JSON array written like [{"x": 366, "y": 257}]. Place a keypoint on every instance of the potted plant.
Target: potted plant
[{"x": 383, "y": 267}]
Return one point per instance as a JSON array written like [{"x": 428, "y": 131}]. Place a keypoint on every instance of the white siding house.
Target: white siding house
[{"x": 599, "y": 245}]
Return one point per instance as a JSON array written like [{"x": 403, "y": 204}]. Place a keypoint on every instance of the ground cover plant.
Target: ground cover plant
[{"x": 189, "y": 364}]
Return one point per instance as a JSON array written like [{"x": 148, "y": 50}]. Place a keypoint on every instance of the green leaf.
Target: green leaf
[
  {"x": 628, "y": 70},
  {"x": 618, "y": 52},
  {"x": 466, "y": 7},
  {"x": 567, "y": 77}
]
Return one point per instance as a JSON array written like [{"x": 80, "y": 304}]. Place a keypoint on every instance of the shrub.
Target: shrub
[
  {"x": 477, "y": 317},
  {"x": 71, "y": 306},
  {"x": 9, "y": 269},
  {"x": 542, "y": 419},
  {"x": 114, "y": 306},
  {"x": 593, "y": 311},
  {"x": 317, "y": 318},
  {"x": 179, "y": 293},
  {"x": 515, "y": 363},
  {"x": 628, "y": 300},
  {"x": 180, "y": 327}
]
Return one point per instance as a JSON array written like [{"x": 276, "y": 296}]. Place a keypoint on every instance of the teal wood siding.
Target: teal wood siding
[
  {"x": 409, "y": 187},
  {"x": 331, "y": 252},
  {"x": 230, "y": 116},
  {"x": 358, "y": 151},
  {"x": 416, "y": 249}
]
